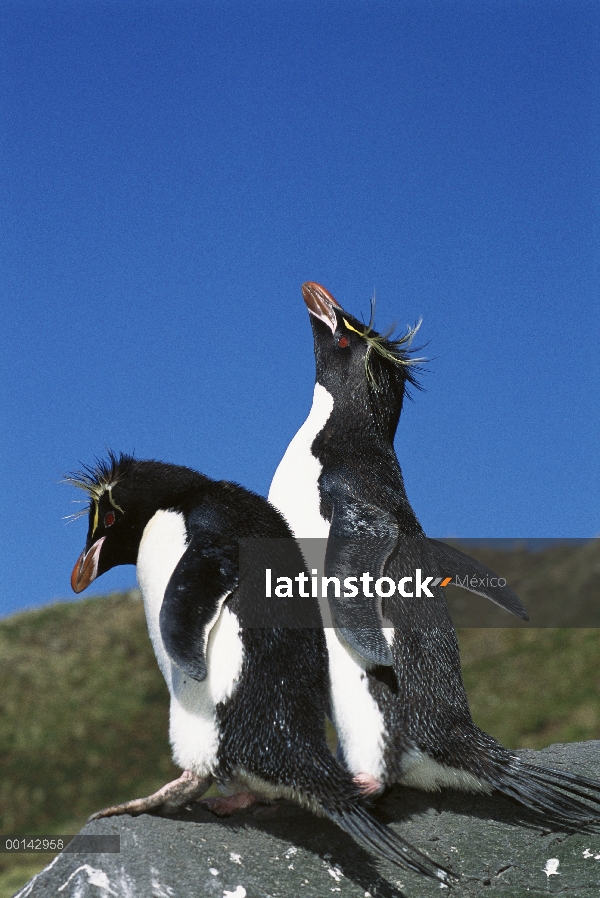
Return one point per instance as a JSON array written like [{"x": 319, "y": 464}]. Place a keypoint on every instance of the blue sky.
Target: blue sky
[{"x": 173, "y": 172}]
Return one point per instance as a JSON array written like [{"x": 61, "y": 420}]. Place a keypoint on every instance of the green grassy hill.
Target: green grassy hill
[
  {"x": 83, "y": 723},
  {"x": 84, "y": 717}
]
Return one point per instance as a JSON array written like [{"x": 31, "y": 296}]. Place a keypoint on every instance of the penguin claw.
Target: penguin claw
[
  {"x": 134, "y": 807},
  {"x": 171, "y": 798}
]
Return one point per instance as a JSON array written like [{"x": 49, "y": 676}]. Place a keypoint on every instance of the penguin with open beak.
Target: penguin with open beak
[
  {"x": 397, "y": 697},
  {"x": 247, "y": 675}
]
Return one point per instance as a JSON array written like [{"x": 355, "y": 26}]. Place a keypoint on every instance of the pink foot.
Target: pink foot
[
  {"x": 367, "y": 784},
  {"x": 228, "y": 805}
]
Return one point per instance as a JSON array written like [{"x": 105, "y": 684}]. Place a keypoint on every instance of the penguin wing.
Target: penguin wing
[
  {"x": 361, "y": 539},
  {"x": 468, "y": 569},
  {"x": 205, "y": 576}
]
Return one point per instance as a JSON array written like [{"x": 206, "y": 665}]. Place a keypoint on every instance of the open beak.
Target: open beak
[
  {"x": 321, "y": 304},
  {"x": 86, "y": 567}
]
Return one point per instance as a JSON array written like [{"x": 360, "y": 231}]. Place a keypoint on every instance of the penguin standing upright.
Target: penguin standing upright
[
  {"x": 403, "y": 718},
  {"x": 247, "y": 675}
]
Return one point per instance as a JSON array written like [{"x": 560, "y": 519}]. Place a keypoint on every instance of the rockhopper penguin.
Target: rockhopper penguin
[
  {"x": 248, "y": 695},
  {"x": 403, "y": 718}
]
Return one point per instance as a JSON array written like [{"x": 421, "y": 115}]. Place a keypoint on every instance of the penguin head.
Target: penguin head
[
  {"x": 354, "y": 362},
  {"x": 124, "y": 494}
]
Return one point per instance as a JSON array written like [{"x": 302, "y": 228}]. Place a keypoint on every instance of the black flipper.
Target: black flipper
[
  {"x": 205, "y": 575},
  {"x": 455, "y": 563},
  {"x": 378, "y": 839},
  {"x": 361, "y": 539}
]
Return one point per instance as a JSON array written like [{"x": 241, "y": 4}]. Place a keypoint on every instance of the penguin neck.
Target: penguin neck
[
  {"x": 359, "y": 419},
  {"x": 360, "y": 411},
  {"x": 335, "y": 435},
  {"x": 358, "y": 438}
]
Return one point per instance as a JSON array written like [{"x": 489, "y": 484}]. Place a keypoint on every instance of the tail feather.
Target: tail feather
[
  {"x": 562, "y": 798},
  {"x": 563, "y": 776},
  {"x": 382, "y": 841}
]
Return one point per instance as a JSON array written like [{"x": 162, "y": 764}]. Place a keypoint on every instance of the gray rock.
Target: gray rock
[{"x": 279, "y": 851}]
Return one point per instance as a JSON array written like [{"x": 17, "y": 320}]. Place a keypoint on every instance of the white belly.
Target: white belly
[
  {"x": 294, "y": 490},
  {"x": 193, "y": 731},
  {"x": 357, "y": 719}
]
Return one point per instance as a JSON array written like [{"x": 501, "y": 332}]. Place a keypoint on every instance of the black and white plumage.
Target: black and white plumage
[
  {"x": 247, "y": 702},
  {"x": 403, "y": 718}
]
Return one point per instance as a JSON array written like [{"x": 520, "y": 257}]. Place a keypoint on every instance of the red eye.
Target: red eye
[
  {"x": 343, "y": 342},
  {"x": 109, "y": 518}
]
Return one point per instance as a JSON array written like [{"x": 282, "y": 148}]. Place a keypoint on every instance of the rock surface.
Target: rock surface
[{"x": 279, "y": 851}]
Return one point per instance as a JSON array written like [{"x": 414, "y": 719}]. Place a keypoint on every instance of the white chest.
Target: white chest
[
  {"x": 163, "y": 543},
  {"x": 193, "y": 731},
  {"x": 294, "y": 490}
]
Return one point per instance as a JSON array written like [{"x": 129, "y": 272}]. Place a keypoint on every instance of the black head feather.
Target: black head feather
[{"x": 100, "y": 479}]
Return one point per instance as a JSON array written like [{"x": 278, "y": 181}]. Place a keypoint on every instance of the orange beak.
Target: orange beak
[
  {"x": 86, "y": 567},
  {"x": 321, "y": 304}
]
